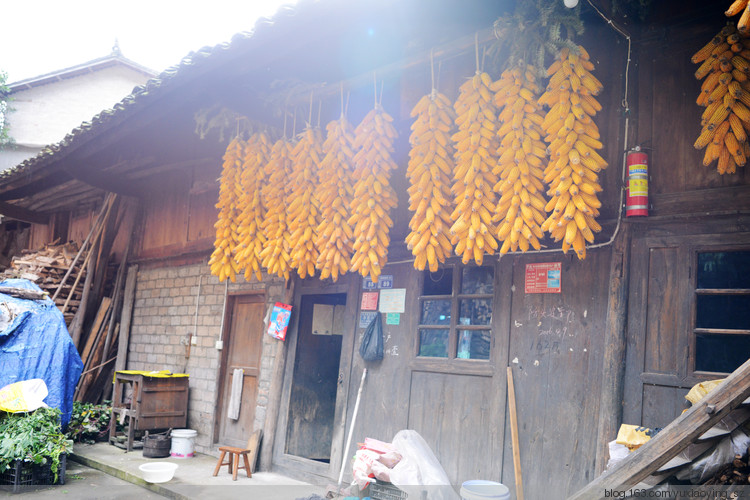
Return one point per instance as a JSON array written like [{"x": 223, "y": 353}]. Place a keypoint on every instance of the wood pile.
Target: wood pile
[
  {"x": 735, "y": 472},
  {"x": 47, "y": 267}
]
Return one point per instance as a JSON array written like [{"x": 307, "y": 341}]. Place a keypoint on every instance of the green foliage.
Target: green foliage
[
  {"x": 536, "y": 28},
  {"x": 32, "y": 437},
  {"x": 89, "y": 422},
  {"x": 5, "y": 108}
]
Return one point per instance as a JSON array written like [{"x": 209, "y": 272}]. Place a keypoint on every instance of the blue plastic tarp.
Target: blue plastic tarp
[{"x": 35, "y": 343}]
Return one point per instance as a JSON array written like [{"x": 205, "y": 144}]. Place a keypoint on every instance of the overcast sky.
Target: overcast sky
[{"x": 40, "y": 36}]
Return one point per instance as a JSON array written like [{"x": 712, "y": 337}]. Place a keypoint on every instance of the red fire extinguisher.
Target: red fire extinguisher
[{"x": 636, "y": 191}]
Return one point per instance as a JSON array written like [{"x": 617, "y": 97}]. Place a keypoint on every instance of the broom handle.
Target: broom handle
[
  {"x": 351, "y": 430},
  {"x": 514, "y": 435}
]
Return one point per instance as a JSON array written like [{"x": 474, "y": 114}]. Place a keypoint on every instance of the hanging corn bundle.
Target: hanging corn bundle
[
  {"x": 222, "y": 262},
  {"x": 473, "y": 231},
  {"x": 303, "y": 208},
  {"x": 276, "y": 192},
  {"x": 252, "y": 210},
  {"x": 573, "y": 139},
  {"x": 429, "y": 172},
  {"x": 373, "y": 195},
  {"x": 735, "y": 8},
  {"x": 520, "y": 209},
  {"x": 724, "y": 94},
  {"x": 335, "y": 192}
]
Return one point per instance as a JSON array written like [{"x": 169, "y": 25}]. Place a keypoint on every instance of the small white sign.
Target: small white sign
[{"x": 393, "y": 300}]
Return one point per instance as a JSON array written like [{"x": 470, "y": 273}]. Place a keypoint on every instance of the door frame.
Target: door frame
[
  {"x": 302, "y": 467},
  {"x": 226, "y": 331}
]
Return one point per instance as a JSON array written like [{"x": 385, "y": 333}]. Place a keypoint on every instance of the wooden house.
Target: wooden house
[{"x": 659, "y": 302}]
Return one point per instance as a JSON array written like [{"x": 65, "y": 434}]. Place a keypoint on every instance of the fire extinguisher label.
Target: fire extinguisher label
[
  {"x": 638, "y": 187},
  {"x": 638, "y": 169}
]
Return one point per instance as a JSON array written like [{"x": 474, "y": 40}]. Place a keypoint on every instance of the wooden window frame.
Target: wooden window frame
[
  {"x": 452, "y": 363},
  {"x": 697, "y": 292}
]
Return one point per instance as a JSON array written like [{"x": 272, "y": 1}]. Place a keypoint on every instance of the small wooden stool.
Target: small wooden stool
[{"x": 235, "y": 454}]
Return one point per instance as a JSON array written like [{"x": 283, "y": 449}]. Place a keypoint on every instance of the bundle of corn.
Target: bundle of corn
[
  {"x": 573, "y": 139},
  {"x": 335, "y": 193},
  {"x": 737, "y": 7},
  {"x": 303, "y": 208},
  {"x": 520, "y": 209},
  {"x": 276, "y": 192},
  {"x": 724, "y": 94},
  {"x": 252, "y": 211},
  {"x": 373, "y": 195},
  {"x": 222, "y": 261},
  {"x": 429, "y": 173},
  {"x": 473, "y": 231}
]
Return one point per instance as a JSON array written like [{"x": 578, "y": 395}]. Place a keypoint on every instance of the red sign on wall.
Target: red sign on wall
[{"x": 543, "y": 277}]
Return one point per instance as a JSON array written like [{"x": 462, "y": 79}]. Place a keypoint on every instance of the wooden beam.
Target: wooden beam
[
  {"x": 613, "y": 367},
  {"x": 104, "y": 181},
  {"x": 125, "y": 318},
  {"x": 19, "y": 213},
  {"x": 34, "y": 184},
  {"x": 674, "y": 438}
]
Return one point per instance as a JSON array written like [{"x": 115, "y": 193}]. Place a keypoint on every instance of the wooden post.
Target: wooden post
[
  {"x": 613, "y": 368},
  {"x": 77, "y": 324},
  {"x": 514, "y": 435},
  {"x": 274, "y": 392},
  {"x": 125, "y": 317},
  {"x": 674, "y": 438}
]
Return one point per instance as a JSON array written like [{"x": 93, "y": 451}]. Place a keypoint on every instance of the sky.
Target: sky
[{"x": 41, "y": 36}]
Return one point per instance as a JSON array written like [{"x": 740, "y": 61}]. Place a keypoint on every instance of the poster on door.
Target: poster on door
[
  {"x": 543, "y": 277},
  {"x": 279, "y": 321}
]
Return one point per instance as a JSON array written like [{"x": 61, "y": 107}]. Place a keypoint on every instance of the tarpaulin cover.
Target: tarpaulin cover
[{"x": 35, "y": 343}]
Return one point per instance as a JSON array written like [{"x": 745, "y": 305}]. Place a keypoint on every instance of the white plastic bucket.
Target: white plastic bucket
[
  {"x": 479, "y": 489},
  {"x": 182, "y": 443}
]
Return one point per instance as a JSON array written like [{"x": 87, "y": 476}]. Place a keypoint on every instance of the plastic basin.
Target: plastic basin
[{"x": 158, "y": 472}]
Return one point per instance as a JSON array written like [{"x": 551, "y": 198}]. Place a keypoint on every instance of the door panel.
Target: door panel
[{"x": 243, "y": 343}]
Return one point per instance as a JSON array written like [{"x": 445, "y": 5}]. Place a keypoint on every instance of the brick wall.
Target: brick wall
[{"x": 163, "y": 316}]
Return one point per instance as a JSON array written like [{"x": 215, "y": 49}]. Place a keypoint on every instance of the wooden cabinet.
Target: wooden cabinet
[{"x": 151, "y": 403}]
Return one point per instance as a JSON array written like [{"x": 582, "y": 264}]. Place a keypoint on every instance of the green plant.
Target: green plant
[
  {"x": 5, "y": 140},
  {"x": 89, "y": 421},
  {"x": 34, "y": 437}
]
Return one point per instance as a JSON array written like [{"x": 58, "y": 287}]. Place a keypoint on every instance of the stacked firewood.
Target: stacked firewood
[
  {"x": 735, "y": 472},
  {"x": 47, "y": 267}
]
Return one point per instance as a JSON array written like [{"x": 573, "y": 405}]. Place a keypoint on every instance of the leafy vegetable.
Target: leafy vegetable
[{"x": 34, "y": 437}]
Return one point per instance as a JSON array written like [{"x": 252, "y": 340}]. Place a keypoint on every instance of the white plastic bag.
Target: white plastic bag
[
  {"x": 419, "y": 470},
  {"x": 27, "y": 395},
  {"x": 703, "y": 469}
]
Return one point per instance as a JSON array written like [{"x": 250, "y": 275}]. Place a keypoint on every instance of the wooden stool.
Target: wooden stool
[{"x": 235, "y": 454}]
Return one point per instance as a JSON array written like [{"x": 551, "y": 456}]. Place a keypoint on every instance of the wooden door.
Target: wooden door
[
  {"x": 243, "y": 341},
  {"x": 664, "y": 357}
]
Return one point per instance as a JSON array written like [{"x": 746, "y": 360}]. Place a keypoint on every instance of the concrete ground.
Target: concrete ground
[
  {"x": 193, "y": 479},
  {"x": 83, "y": 483}
]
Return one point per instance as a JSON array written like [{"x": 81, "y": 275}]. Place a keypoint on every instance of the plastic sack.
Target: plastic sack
[
  {"x": 703, "y": 469},
  {"x": 371, "y": 348},
  {"x": 362, "y": 467},
  {"x": 419, "y": 471},
  {"x": 617, "y": 453},
  {"x": 27, "y": 395},
  {"x": 699, "y": 390}
]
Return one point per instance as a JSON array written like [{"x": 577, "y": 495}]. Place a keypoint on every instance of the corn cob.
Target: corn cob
[
  {"x": 336, "y": 191},
  {"x": 303, "y": 208},
  {"x": 737, "y": 7},
  {"x": 725, "y": 95},
  {"x": 473, "y": 232},
  {"x": 429, "y": 173},
  {"x": 373, "y": 195},
  {"x": 252, "y": 210},
  {"x": 222, "y": 262},
  {"x": 520, "y": 167},
  {"x": 573, "y": 139},
  {"x": 276, "y": 193}
]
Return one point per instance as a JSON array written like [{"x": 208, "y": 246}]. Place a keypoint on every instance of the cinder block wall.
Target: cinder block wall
[{"x": 164, "y": 314}]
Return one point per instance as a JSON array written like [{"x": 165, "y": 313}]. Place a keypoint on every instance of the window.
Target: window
[
  {"x": 455, "y": 318},
  {"x": 722, "y": 311}
]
